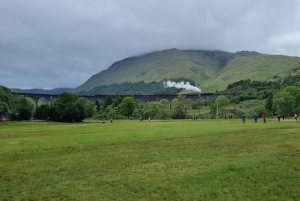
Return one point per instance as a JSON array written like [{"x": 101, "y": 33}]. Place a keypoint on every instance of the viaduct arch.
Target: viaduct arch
[{"x": 144, "y": 97}]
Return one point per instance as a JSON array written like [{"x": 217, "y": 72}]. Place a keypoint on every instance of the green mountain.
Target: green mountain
[{"x": 210, "y": 70}]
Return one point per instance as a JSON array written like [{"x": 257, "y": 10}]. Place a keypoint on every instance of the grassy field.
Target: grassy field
[{"x": 157, "y": 160}]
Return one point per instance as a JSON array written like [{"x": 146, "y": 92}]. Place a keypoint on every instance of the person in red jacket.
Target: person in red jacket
[{"x": 264, "y": 118}]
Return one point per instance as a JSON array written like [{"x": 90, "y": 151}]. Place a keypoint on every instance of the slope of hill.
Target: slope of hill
[
  {"x": 260, "y": 67},
  {"x": 157, "y": 66},
  {"x": 4, "y": 88},
  {"x": 210, "y": 70}
]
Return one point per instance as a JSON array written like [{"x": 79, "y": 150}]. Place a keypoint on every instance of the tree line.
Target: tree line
[
  {"x": 67, "y": 108},
  {"x": 129, "y": 107},
  {"x": 19, "y": 107},
  {"x": 253, "y": 89},
  {"x": 282, "y": 96}
]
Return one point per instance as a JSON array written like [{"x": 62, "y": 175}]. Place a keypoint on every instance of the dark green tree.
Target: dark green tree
[
  {"x": 295, "y": 92},
  {"x": 108, "y": 101},
  {"x": 200, "y": 103},
  {"x": 127, "y": 106},
  {"x": 98, "y": 105},
  {"x": 89, "y": 107},
  {"x": 269, "y": 102},
  {"x": 117, "y": 100},
  {"x": 178, "y": 106},
  {"x": 260, "y": 110},
  {"x": 221, "y": 102},
  {"x": 213, "y": 109},
  {"x": 3, "y": 107},
  {"x": 284, "y": 103},
  {"x": 8, "y": 101},
  {"x": 24, "y": 109},
  {"x": 42, "y": 112},
  {"x": 187, "y": 105},
  {"x": 53, "y": 113},
  {"x": 68, "y": 108},
  {"x": 157, "y": 110}
]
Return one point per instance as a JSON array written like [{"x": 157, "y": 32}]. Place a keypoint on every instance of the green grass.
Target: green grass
[{"x": 157, "y": 160}]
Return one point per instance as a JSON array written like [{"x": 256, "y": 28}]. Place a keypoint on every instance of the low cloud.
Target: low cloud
[{"x": 55, "y": 43}]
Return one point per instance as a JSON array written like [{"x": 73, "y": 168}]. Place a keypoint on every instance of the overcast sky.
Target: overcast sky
[{"x": 62, "y": 43}]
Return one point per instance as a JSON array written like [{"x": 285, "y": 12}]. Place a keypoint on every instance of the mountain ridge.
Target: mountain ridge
[
  {"x": 43, "y": 91},
  {"x": 211, "y": 70}
]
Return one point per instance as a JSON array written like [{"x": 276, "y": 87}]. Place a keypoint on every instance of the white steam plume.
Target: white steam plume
[{"x": 181, "y": 85}]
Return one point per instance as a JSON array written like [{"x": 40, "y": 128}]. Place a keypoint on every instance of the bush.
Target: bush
[
  {"x": 15, "y": 117},
  {"x": 25, "y": 113},
  {"x": 260, "y": 110}
]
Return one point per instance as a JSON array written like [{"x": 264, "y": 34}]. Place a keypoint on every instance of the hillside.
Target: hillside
[
  {"x": 260, "y": 68},
  {"x": 210, "y": 70},
  {"x": 4, "y": 88}
]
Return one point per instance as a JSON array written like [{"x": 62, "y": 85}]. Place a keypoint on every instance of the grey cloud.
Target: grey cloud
[{"x": 56, "y": 43}]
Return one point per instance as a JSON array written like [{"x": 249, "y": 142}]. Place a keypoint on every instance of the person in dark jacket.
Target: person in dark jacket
[
  {"x": 243, "y": 117},
  {"x": 264, "y": 118}
]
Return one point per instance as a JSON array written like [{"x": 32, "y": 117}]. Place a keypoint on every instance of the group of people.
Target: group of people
[
  {"x": 264, "y": 117},
  {"x": 103, "y": 122},
  {"x": 278, "y": 117},
  {"x": 142, "y": 119},
  {"x": 225, "y": 117},
  {"x": 255, "y": 117}
]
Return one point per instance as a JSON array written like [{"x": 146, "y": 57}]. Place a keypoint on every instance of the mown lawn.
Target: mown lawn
[{"x": 157, "y": 160}]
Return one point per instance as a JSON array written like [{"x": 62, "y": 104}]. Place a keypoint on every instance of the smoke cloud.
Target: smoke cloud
[{"x": 181, "y": 85}]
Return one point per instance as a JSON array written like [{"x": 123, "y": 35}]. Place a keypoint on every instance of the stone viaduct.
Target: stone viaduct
[{"x": 144, "y": 97}]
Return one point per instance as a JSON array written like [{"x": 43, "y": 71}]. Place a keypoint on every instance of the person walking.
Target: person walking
[
  {"x": 278, "y": 117},
  {"x": 264, "y": 118},
  {"x": 255, "y": 116},
  {"x": 243, "y": 117},
  {"x": 296, "y": 117},
  {"x": 282, "y": 117}
]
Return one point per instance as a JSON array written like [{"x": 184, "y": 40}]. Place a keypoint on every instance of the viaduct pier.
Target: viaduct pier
[{"x": 143, "y": 97}]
